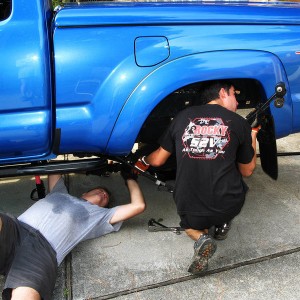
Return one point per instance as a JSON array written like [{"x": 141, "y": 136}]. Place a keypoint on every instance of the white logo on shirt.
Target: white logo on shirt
[{"x": 205, "y": 138}]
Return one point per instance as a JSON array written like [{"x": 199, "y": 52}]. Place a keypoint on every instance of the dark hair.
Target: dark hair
[{"x": 212, "y": 88}]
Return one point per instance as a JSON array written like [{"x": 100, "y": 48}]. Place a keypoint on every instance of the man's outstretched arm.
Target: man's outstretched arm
[
  {"x": 136, "y": 206},
  {"x": 247, "y": 169},
  {"x": 52, "y": 180},
  {"x": 155, "y": 159}
]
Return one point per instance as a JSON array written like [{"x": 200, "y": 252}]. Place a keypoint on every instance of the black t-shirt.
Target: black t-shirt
[{"x": 209, "y": 141}]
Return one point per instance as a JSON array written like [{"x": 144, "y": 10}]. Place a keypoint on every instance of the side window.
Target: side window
[{"x": 5, "y": 9}]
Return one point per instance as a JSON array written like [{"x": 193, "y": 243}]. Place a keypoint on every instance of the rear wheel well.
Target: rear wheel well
[{"x": 251, "y": 94}]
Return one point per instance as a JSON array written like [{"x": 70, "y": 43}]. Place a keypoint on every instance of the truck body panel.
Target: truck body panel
[
  {"x": 161, "y": 82},
  {"x": 26, "y": 110}
]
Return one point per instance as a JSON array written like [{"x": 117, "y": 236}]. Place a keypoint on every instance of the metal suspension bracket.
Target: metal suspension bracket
[
  {"x": 280, "y": 91},
  {"x": 158, "y": 182},
  {"x": 266, "y": 136}
]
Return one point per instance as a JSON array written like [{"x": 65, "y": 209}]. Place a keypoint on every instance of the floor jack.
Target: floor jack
[{"x": 39, "y": 192}]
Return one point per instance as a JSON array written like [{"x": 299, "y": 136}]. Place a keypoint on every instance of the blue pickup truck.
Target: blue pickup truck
[{"x": 94, "y": 79}]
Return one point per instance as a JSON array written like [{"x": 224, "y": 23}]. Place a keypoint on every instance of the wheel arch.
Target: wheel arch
[{"x": 261, "y": 66}]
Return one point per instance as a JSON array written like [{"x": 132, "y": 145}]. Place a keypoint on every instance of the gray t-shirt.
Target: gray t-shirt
[{"x": 65, "y": 220}]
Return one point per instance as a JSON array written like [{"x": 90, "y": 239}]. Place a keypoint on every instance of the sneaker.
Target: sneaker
[
  {"x": 221, "y": 231},
  {"x": 204, "y": 249}
]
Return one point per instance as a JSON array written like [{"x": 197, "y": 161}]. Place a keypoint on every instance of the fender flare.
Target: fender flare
[{"x": 262, "y": 66}]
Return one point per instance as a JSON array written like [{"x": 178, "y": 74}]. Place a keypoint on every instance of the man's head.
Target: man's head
[
  {"x": 98, "y": 196},
  {"x": 223, "y": 92}
]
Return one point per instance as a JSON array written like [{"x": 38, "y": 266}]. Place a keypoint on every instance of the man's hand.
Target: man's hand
[
  {"x": 257, "y": 122},
  {"x": 256, "y": 129},
  {"x": 141, "y": 164},
  {"x": 128, "y": 173}
]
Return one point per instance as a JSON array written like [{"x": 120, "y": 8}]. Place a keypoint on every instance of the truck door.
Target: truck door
[{"x": 25, "y": 81}]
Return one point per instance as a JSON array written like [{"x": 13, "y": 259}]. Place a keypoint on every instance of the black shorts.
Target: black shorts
[
  {"x": 27, "y": 259},
  {"x": 203, "y": 222}
]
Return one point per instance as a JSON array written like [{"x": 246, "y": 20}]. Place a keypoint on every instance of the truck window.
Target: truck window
[{"x": 5, "y": 9}]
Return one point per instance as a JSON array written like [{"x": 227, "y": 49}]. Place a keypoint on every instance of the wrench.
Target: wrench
[{"x": 154, "y": 226}]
